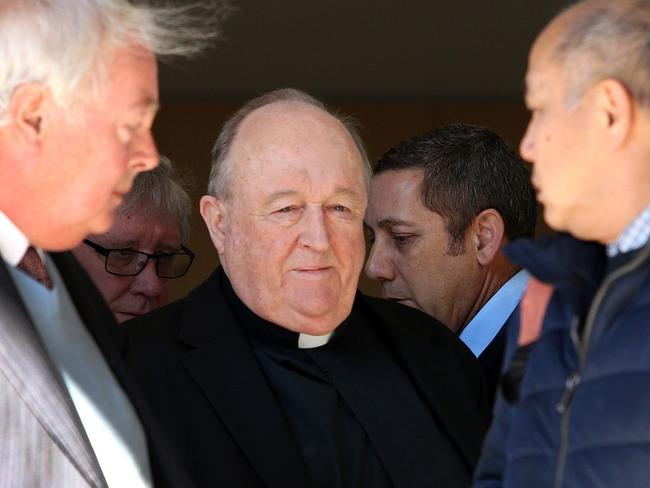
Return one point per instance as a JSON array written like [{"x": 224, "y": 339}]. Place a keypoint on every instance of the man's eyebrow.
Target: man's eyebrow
[
  {"x": 168, "y": 247},
  {"x": 347, "y": 192},
  {"x": 120, "y": 244},
  {"x": 152, "y": 107},
  {"x": 279, "y": 194},
  {"x": 147, "y": 104},
  {"x": 289, "y": 193},
  {"x": 152, "y": 104},
  {"x": 392, "y": 222}
]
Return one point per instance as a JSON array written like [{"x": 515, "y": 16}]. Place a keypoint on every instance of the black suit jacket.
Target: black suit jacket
[
  {"x": 491, "y": 360},
  {"x": 29, "y": 367},
  {"x": 195, "y": 364}
]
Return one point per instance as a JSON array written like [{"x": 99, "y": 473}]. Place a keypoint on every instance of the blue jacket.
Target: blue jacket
[{"x": 582, "y": 417}]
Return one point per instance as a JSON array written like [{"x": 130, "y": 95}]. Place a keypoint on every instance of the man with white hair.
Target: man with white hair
[
  {"x": 132, "y": 263},
  {"x": 275, "y": 372},
  {"x": 78, "y": 94},
  {"x": 576, "y": 405}
]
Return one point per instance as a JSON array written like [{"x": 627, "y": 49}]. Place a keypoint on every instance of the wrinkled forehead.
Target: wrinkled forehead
[
  {"x": 396, "y": 196},
  {"x": 292, "y": 136},
  {"x": 290, "y": 126},
  {"x": 544, "y": 49},
  {"x": 134, "y": 218},
  {"x": 544, "y": 69},
  {"x": 397, "y": 185}
]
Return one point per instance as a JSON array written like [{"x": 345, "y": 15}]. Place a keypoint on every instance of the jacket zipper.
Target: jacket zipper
[{"x": 564, "y": 405}]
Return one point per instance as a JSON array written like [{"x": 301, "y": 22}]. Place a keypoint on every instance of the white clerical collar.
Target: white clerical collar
[
  {"x": 487, "y": 323},
  {"x": 306, "y": 341},
  {"x": 13, "y": 243}
]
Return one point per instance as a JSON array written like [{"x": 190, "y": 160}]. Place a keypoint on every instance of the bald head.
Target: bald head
[
  {"x": 595, "y": 40},
  {"x": 222, "y": 165},
  {"x": 283, "y": 131}
]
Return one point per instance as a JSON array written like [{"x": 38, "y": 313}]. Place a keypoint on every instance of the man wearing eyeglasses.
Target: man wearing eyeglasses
[{"x": 132, "y": 263}]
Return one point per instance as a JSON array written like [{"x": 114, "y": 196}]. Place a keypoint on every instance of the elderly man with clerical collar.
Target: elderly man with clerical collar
[
  {"x": 575, "y": 410},
  {"x": 442, "y": 206},
  {"x": 276, "y": 372}
]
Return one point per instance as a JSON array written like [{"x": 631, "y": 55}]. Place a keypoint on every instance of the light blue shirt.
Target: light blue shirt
[{"x": 487, "y": 323}]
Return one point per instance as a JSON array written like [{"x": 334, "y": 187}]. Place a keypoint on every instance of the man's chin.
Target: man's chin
[
  {"x": 398, "y": 298},
  {"x": 124, "y": 316},
  {"x": 554, "y": 219},
  {"x": 65, "y": 240},
  {"x": 316, "y": 317},
  {"x": 409, "y": 303},
  {"x": 102, "y": 222}
]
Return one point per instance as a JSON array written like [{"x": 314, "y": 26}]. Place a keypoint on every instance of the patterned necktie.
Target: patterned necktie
[{"x": 34, "y": 267}]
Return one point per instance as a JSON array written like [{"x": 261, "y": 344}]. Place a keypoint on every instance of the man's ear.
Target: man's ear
[
  {"x": 616, "y": 110},
  {"x": 488, "y": 229},
  {"x": 213, "y": 211},
  {"x": 28, "y": 106}
]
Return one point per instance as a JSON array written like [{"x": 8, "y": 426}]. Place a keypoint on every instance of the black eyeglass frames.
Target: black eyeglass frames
[{"x": 129, "y": 262}]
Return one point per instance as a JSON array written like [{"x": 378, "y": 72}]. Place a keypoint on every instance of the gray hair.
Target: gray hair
[
  {"x": 161, "y": 191},
  {"x": 607, "y": 39},
  {"x": 59, "y": 42},
  {"x": 222, "y": 167}
]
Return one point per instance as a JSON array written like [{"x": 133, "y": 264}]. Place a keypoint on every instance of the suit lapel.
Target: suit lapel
[
  {"x": 28, "y": 369},
  {"x": 225, "y": 369},
  {"x": 372, "y": 385},
  {"x": 448, "y": 396},
  {"x": 98, "y": 319},
  {"x": 93, "y": 310}
]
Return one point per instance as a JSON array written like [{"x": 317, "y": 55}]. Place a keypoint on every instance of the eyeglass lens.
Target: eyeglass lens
[{"x": 128, "y": 263}]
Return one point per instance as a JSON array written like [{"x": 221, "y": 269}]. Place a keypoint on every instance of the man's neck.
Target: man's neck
[{"x": 499, "y": 272}]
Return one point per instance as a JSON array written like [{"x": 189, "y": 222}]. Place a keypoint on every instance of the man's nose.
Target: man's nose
[
  {"x": 379, "y": 266},
  {"x": 148, "y": 283},
  {"x": 527, "y": 145},
  {"x": 315, "y": 233},
  {"x": 145, "y": 156}
]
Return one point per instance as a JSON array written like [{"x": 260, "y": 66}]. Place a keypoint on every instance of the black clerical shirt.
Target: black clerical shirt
[
  {"x": 347, "y": 437},
  {"x": 334, "y": 444},
  {"x": 392, "y": 400}
]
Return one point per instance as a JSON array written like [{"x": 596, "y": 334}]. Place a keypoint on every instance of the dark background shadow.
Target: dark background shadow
[{"x": 401, "y": 68}]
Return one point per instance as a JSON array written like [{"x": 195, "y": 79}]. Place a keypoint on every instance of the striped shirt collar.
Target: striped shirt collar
[{"x": 635, "y": 235}]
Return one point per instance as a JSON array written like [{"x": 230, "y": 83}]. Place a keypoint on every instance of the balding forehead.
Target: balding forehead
[
  {"x": 289, "y": 125},
  {"x": 282, "y": 113},
  {"x": 556, "y": 31}
]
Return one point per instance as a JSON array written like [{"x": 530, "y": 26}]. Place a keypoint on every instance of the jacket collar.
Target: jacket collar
[
  {"x": 575, "y": 268},
  {"x": 560, "y": 259},
  {"x": 224, "y": 367}
]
